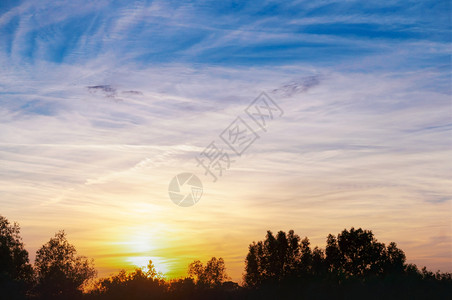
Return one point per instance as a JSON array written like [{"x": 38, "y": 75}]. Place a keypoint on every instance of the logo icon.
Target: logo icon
[{"x": 185, "y": 189}]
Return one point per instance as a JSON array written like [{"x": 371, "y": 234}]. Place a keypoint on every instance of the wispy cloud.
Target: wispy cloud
[{"x": 364, "y": 140}]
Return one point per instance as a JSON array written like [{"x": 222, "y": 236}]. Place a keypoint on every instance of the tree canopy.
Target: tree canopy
[
  {"x": 213, "y": 274},
  {"x": 352, "y": 253},
  {"x": 59, "y": 271},
  {"x": 16, "y": 272}
]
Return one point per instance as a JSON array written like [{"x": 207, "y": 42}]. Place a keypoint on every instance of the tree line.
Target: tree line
[{"x": 353, "y": 265}]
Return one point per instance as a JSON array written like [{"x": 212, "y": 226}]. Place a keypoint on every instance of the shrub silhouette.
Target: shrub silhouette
[{"x": 134, "y": 285}]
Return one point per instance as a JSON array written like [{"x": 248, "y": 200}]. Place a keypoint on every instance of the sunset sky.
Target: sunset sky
[{"x": 102, "y": 104}]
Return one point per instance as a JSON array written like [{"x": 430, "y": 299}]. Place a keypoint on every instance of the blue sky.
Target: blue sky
[
  {"x": 102, "y": 103},
  {"x": 227, "y": 32}
]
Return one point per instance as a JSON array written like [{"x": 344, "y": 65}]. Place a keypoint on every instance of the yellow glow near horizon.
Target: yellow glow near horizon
[
  {"x": 137, "y": 248},
  {"x": 140, "y": 244},
  {"x": 109, "y": 190},
  {"x": 161, "y": 266}
]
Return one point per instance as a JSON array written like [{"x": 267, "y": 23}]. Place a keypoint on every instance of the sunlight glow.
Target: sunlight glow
[
  {"x": 103, "y": 103},
  {"x": 161, "y": 266}
]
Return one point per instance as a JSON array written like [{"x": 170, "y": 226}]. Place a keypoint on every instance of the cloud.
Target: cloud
[
  {"x": 363, "y": 140},
  {"x": 296, "y": 87},
  {"x": 247, "y": 34},
  {"x": 133, "y": 93},
  {"x": 107, "y": 90}
]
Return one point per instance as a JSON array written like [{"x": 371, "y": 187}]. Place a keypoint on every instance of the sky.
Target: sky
[{"x": 103, "y": 103}]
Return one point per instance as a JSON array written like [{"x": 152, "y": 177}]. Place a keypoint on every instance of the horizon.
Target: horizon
[{"x": 103, "y": 104}]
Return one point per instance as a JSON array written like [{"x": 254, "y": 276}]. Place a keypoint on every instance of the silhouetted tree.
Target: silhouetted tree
[
  {"x": 354, "y": 265},
  {"x": 354, "y": 253},
  {"x": 357, "y": 253},
  {"x": 211, "y": 275},
  {"x": 276, "y": 259},
  {"x": 60, "y": 272},
  {"x": 395, "y": 259},
  {"x": 16, "y": 273}
]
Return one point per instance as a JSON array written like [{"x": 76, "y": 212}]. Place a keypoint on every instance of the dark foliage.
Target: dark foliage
[
  {"x": 353, "y": 265},
  {"x": 16, "y": 273},
  {"x": 60, "y": 273}
]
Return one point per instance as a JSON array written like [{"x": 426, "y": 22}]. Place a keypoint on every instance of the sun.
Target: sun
[
  {"x": 142, "y": 262},
  {"x": 143, "y": 245}
]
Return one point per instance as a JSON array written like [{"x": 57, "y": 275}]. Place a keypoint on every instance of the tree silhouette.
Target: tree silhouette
[
  {"x": 16, "y": 273},
  {"x": 275, "y": 259},
  {"x": 211, "y": 275},
  {"x": 353, "y": 265},
  {"x": 395, "y": 260},
  {"x": 357, "y": 253},
  {"x": 60, "y": 272},
  {"x": 354, "y": 253},
  {"x": 138, "y": 284}
]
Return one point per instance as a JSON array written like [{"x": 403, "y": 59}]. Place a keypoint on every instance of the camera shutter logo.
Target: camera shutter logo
[{"x": 185, "y": 189}]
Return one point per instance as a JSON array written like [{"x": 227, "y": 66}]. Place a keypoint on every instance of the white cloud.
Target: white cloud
[{"x": 364, "y": 147}]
